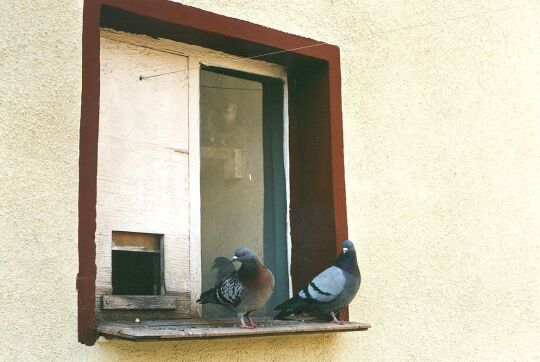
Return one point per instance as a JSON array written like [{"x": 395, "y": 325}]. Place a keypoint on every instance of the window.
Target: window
[
  {"x": 176, "y": 133},
  {"x": 309, "y": 76},
  {"x": 243, "y": 183}
]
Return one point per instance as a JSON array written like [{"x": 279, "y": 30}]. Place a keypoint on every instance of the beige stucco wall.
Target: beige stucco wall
[{"x": 441, "y": 103}]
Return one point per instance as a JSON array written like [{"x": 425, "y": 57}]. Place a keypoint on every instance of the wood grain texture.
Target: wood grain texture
[
  {"x": 122, "y": 240},
  {"x": 139, "y": 302},
  {"x": 206, "y": 56},
  {"x": 202, "y": 329},
  {"x": 142, "y": 181},
  {"x": 182, "y": 311}
]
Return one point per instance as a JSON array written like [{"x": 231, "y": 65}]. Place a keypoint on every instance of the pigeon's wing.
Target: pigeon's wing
[
  {"x": 325, "y": 287},
  {"x": 229, "y": 290}
]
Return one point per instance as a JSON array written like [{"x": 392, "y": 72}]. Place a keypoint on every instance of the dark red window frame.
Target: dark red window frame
[{"x": 317, "y": 185}]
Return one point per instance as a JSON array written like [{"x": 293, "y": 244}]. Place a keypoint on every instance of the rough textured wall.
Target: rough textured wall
[{"x": 441, "y": 107}]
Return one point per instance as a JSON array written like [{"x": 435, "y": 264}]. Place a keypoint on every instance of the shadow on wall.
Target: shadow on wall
[{"x": 299, "y": 347}]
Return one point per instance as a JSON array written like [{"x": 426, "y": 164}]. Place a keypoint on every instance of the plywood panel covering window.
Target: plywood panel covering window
[{"x": 143, "y": 169}]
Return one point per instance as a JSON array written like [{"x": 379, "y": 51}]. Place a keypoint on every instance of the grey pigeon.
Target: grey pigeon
[
  {"x": 244, "y": 290},
  {"x": 330, "y": 291},
  {"x": 224, "y": 267}
]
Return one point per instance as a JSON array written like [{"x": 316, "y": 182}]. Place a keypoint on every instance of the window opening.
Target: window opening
[{"x": 243, "y": 197}]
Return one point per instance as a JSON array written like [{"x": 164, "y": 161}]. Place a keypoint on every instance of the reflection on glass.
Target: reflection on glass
[{"x": 241, "y": 138}]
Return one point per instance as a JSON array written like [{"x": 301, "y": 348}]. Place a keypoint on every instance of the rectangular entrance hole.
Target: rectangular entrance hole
[{"x": 137, "y": 263}]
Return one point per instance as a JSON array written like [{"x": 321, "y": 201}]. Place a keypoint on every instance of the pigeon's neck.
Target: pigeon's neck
[
  {"x": 249, "y": 268},
  {"x": 347, "y": 261},
  {"x": 253, "y": 275}
]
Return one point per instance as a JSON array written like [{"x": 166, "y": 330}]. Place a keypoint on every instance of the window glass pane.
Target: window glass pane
[{"x": 242, "y": 177}]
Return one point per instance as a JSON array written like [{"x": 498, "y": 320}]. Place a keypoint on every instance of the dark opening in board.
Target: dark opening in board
[
  {"x": 135, "y": 273},
  {"x": 137, "y": 263}
]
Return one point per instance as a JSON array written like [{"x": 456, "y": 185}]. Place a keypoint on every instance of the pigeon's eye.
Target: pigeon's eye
[{"x": 243, "y": 254}]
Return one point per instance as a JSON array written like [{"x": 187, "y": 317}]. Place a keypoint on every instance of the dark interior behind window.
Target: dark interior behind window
[{"x": 136, "y": 273}]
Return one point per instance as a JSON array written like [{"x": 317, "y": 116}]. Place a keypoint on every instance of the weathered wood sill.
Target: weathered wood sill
[{"x": 206, "y": 329}]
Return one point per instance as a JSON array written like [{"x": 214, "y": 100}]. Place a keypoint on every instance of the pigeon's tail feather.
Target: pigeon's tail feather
[
  {"x": 294, "y": 305},
  {"x": 208, "y": 297}
]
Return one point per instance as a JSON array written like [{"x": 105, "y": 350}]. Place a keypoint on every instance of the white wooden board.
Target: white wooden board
[{"x": 143, "y": 160}]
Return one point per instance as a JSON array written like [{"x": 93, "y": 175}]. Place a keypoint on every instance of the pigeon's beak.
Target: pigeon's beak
[
  {"x": 234, "y": 258},
  {"x": 345, "y": 250},
  {"x": 214, "y": 267}
]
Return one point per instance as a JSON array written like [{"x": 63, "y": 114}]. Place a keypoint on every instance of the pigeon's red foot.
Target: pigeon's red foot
[
  {"x": 253, "y": 324},
  {"x": 335, "y": 320},
  {"x": 247, "y": 326}
]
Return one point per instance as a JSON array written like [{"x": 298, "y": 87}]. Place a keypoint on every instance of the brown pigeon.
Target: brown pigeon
[{"x": 244, "y": 290}]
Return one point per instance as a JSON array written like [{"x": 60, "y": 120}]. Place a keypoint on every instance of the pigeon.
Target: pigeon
[
  {"x": 224, "y": 267},
  {"x": 328, "y": 292},
  {"x": 244, "y": 290}
]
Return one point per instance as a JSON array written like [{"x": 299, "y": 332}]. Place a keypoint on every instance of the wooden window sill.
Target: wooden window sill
[{"x": 209, "y": 329}]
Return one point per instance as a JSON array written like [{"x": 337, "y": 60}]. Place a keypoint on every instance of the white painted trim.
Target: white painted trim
[
  {"x": 194, "y": 185},
  {"x": 286, "y": 165}
]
